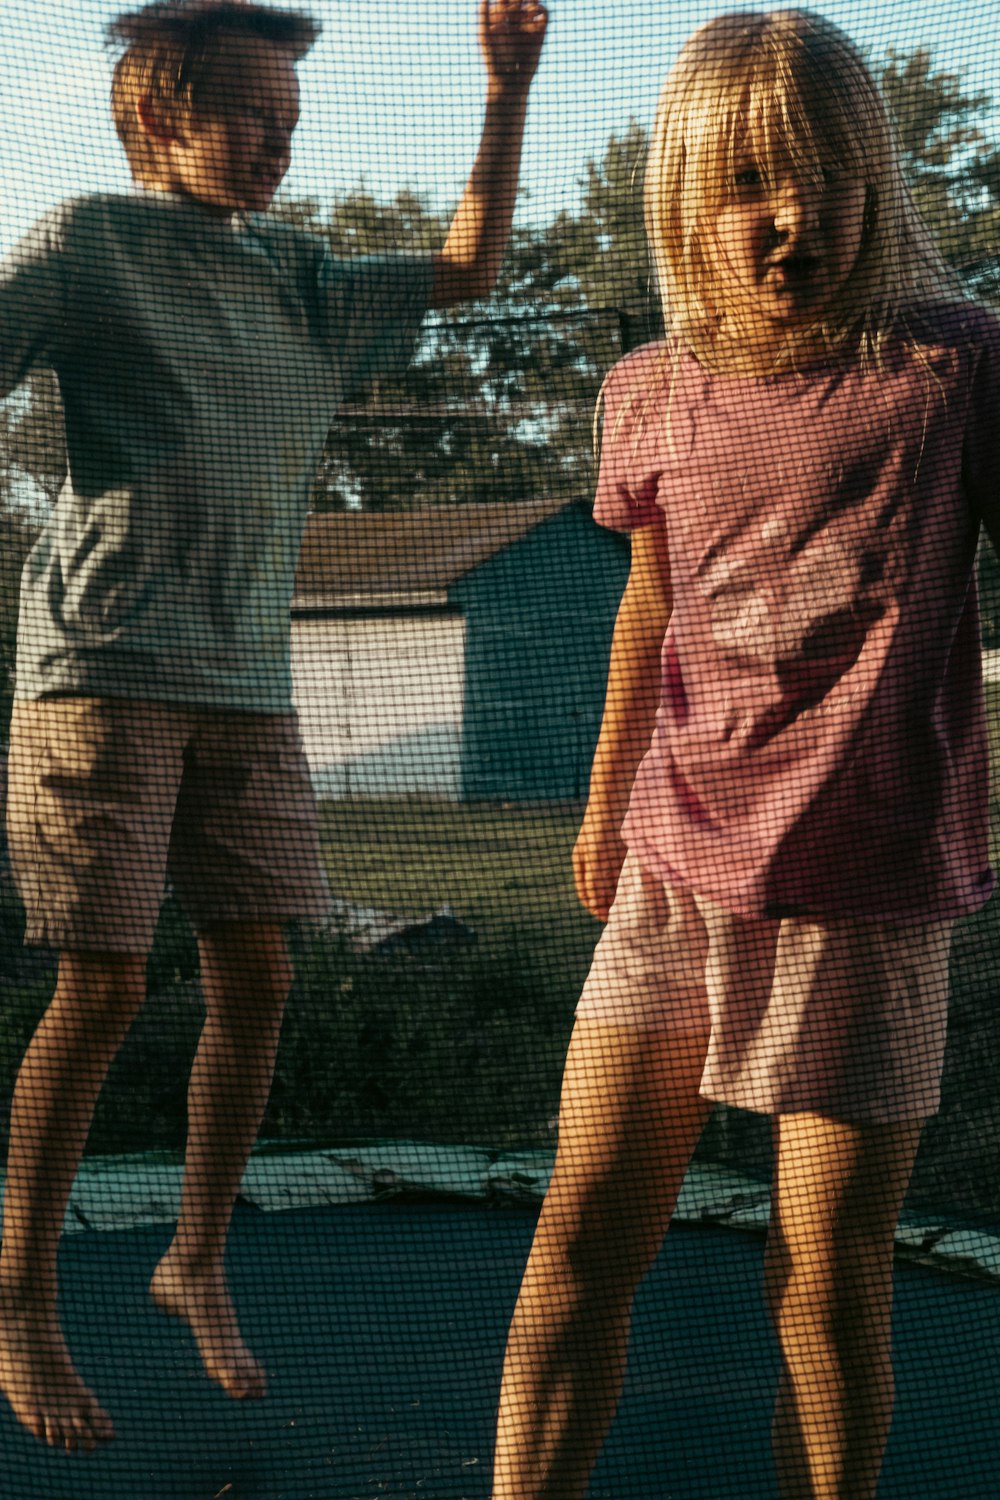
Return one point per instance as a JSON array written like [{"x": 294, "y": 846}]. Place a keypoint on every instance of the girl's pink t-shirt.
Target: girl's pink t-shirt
[{"x": 820, "y": 745}]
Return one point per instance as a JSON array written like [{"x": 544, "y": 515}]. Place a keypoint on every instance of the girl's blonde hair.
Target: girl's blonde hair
[{"x": 790, "y": 87}]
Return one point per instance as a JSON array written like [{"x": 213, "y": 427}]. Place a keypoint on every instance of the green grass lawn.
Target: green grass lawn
[{"x": 503, "y": 869}]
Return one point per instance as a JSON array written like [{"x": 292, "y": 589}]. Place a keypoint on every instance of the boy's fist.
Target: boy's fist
[{"x": 511, "y": 33}]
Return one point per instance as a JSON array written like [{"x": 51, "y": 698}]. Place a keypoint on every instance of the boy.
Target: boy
[{"x": 200, "y": 353}]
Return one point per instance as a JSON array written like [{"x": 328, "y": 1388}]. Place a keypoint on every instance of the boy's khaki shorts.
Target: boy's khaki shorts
[
  {"x": 108, "y": 796},
  {"x": 844, "y": 1018}
]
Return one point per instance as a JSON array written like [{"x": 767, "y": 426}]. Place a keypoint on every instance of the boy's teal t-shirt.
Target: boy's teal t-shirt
[{"x": 200, "y": 362}]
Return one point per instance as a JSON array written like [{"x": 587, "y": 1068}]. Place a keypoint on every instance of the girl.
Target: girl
[{"x": 803, "y": 463}]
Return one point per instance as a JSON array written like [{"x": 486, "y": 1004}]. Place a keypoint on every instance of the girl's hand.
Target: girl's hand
[
  {"x": 598, "y": 856},
  {"x": 511, "y": 33}
]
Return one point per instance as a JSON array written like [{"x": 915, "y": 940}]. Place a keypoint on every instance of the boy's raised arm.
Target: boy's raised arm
[{"x": 511, "y": 33}]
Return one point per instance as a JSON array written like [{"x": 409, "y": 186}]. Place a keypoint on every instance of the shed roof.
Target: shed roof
[{"x": 354, "y": 555}]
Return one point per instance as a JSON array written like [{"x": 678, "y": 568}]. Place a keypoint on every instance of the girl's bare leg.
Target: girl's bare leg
[
  {"x": 245, "y": 975},
  {"x": 95, "y": 1001},
  {"x": 838, "y": 1192},
  {"x": 629, "y": 1121}
]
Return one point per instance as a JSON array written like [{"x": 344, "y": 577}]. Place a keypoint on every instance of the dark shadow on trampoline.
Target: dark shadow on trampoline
[{"x": 383, "y": 1330}]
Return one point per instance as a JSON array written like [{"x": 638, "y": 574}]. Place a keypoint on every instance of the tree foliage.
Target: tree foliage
[
  {"x": 952, "y": 166},
  {"x": 490, "y": 407},
  {"x": 497, "y": 403}
]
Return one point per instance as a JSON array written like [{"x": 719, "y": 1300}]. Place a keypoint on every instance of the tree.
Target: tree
[
  {"x": 604, "y": 247},
  {"x": 952, "y": 167},
  {"x": 490, "y": 408}
]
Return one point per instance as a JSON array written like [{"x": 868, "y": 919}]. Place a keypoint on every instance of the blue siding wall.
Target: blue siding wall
[{"x": 539, "y": 617}]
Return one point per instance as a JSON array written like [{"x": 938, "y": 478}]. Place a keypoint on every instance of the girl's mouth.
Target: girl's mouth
[{"x": 797, "y": 270}]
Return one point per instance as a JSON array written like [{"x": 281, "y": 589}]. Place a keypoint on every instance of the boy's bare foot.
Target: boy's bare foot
[
  {"x": 202, "y": 1300},
  {"x": 40, "y": 1381}
]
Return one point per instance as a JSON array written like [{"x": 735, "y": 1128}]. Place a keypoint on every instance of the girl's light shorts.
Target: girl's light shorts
[
  {"x": 106, "y": 797},
  {"x": 844, "y": 1018}
]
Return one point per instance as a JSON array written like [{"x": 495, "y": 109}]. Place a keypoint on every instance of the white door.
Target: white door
[{"x": 380, "y": 703}]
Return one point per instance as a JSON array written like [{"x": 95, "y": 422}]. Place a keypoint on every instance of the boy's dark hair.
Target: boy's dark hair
[{"x": 170, "y": 47}]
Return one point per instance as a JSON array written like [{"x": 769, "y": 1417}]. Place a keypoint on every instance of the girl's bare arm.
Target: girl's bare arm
[{"x": 630, "y": 704}]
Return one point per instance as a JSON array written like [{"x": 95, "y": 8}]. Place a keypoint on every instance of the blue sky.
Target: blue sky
[{"x": 393, "y": 91}]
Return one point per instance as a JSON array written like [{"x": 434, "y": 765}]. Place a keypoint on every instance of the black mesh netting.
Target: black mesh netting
[{"x": 322, "y": 674}]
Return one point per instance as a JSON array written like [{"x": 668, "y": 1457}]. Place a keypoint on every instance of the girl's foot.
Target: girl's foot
[
  {"x": 202, "y": 1300},
  {"x": 40, "y": 1381}
]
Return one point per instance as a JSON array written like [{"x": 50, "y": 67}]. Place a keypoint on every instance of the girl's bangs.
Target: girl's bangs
[{"x": 782, "y": 122}]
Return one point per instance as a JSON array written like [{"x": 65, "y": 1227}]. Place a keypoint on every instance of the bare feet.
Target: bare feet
[
  {"x": 40, "y": 1381},
  {"x": 202, "y": 1300}
]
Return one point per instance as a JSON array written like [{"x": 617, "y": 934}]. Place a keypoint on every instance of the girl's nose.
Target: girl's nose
[{"x": 796, "y": 205}]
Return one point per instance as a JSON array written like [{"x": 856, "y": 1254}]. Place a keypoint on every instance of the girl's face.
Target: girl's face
[{"x": 785, "y": 243}]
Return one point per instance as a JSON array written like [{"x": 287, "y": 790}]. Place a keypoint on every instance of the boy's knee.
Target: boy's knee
[
  {"x": 246, "y": 961},
  {"x": 272, "y": 964},
  {"x": 106, "y": 988}
]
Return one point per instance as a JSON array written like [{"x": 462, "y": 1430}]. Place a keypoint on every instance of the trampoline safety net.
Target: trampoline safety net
[{"x": 499, "y": 661}]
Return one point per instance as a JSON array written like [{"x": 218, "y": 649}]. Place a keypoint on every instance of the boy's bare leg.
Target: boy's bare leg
[
  {"x": 630, "y": 1118},
  {"x": 95, "y": 1000},
  {"x": 245, "y": 975},
  {"x": 839, "y": 1190}
]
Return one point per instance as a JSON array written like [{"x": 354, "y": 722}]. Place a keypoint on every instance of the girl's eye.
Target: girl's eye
[{"x": 747, "y": 177}]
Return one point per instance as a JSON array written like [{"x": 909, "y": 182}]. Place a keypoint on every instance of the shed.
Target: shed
[{"x": 460, "y": 651}]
